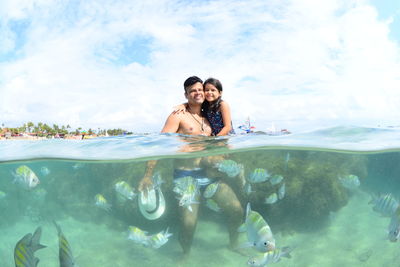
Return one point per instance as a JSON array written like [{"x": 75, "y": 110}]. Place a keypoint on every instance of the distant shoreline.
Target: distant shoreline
[{"x": 37, "y": 138}]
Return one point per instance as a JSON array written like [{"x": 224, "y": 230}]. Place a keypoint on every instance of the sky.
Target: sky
[{"x": 122, "y": 63}]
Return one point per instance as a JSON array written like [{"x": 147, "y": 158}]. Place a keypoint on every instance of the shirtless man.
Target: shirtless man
[{"x": 193, "y": 123}]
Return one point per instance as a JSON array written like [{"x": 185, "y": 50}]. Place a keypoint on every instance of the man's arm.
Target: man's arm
[
  {"x": 172, "y": 124},
  {"x": 147, "y": 180}
]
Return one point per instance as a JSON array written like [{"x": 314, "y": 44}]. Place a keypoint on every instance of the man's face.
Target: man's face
[{"x": 195, "y": 94}]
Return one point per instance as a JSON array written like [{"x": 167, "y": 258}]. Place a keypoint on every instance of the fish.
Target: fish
[
  {"x": 385, "y": 204},
  {"x": 78, "y": 166},
  {"x": 247, "y": 188},
  {"x": 271, "y": 199},
  {"x": 258, "y": 175},
  {"x": 2, "y": 195},
  {"x": 286, "y": 161},
  {"x": 102, "y": 203},
  {"x": 276, "y": 179},
  {"x": 45, "y": 171},
  {"x": 272, "y": 256},
  {"x": 26, "y": 247},
  {"x": 64, "y": 253},
  {"x": 210, "y": 190},
  {"x": 160, "y": 239},
  {"x": 230, "y": 167},
  {"x": 350, "y": 181},
  {"x": 281, "y": 191},
  {"x": 25, "y": 177},
  {"x": 187, "y": 190},
  {"x": 259, "y": 234},
  {"x": 212, "y": 205},
  {"x": 394, "y": 227},
  {"x": 125, "y": 190},
  {"x": 139, "y": 236},
  {"x": 186, "y": 200}
]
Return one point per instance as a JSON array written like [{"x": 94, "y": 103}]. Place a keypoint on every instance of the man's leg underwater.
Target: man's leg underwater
[
  {"x": 188, "y": 222},
  {"x": 231, "y": 207}
]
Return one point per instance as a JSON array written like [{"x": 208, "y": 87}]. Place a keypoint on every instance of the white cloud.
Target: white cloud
[{"x": 292, "y": 62}]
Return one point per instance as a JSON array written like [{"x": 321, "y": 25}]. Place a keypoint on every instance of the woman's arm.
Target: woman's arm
[{"x": 226, "y": 117}]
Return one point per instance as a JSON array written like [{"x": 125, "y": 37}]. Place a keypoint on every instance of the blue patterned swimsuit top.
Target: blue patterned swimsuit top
[{"x": 216, "y": 121}]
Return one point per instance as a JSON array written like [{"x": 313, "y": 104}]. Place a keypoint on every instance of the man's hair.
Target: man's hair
[{"x": 190, "y": 81}]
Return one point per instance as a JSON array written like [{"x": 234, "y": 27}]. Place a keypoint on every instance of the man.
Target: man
[{"x": 193, "y": 122}]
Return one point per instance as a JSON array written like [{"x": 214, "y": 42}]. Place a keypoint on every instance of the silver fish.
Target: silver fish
[
  {"x": 159, "y": 239},
  {"x": 187, "y": 190},
  {"x": 25, "y": 177},
  {"x": 138, "y": 236},
  {"x": 281, "y": 191},
  {"x": 259, "y": 234},
  {"x": 212, "y": 205},
  {"x": 102, "y": 203},
  {"x": 394, "y": 227},
  {"x": 350, "y": 181},
  {"x": 230, "y": 167},
  {"x": 26, "y": 247},
  {"x": 64, "y": 253},
  {"x": 272, "y": 256},
  {"x": 385, "y": 204},
  {"x": 258, "y": 175},
  {"x": 210, "y": 190},
  {"x": 247, "y": 188},
  {"x": 271, "y": 199},
  {"x": 125, "y": 190},
  {"x": 276, "y": 179},
  {"x": 45, "y": 171}
]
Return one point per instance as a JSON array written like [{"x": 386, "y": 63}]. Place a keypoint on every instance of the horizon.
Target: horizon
[{"x": 295, "y": 64}]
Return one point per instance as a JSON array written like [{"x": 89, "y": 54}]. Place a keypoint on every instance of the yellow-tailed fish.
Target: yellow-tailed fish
[
  {"x": 211, "y": 204},
  {"x": 25, "y": 177},
  {"x": 276, "y": 179},
  {"x": 259, "y": 175},
  {"x": 64, "y": 253},
  {"x": 25, "y": 248},
  {"x": 351, "y": 182},
  {"x": 259, "y": 234},
  {"x": 385, "y": 204},
  {"x": 139, "y": 236},
  {"x": 271, "y": 199},
  {"x": 160, "y": 239},
  {"x": 125, "y": 190},
  {"x": 394, "y": 227},
  {"x": 272, "y": 256},
  {"x": 102, "y": 203},
  {"x": 210, "y": 190}
]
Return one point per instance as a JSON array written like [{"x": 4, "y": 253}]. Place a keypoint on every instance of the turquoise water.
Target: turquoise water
[{"x": 322, "y": 220}]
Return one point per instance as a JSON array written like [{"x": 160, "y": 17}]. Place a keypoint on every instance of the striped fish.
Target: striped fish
[
  {"x": 25, "y": 248},
  {"x": 64, "y": 252},
  {"x": 259, "y": 234},
  {"x": 385, "y": 204},
  {"x": 259, "y": 175},
  {"x": 394, "y": 227},
  {"x": 272, "y": 256}
]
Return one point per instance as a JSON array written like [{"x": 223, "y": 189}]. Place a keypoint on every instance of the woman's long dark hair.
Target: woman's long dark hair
[{"x": 215, "y": 105}]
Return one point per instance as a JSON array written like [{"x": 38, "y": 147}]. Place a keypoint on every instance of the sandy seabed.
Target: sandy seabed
[{"x": 356, "y": 236}]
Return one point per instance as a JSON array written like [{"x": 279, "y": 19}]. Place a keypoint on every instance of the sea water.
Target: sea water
[{"x": 323, "y": 221}]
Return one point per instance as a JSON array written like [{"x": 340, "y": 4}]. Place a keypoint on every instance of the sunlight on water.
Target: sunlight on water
[{"x": 324, "y": 202}]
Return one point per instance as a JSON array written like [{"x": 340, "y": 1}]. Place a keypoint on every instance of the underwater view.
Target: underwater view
[{"x": 327, "y": 197}]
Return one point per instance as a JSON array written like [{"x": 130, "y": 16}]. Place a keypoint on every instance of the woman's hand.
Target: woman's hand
[{"x": 179, "y": 109}]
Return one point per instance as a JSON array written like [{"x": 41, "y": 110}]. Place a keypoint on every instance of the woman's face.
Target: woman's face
[{"x": 211, "y": 92}]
